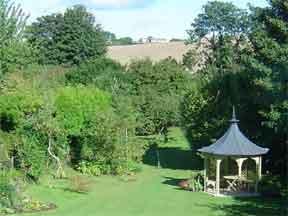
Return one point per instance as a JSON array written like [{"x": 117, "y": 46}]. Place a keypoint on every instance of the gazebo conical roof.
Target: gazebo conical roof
[{"x": 234, "y": 143}]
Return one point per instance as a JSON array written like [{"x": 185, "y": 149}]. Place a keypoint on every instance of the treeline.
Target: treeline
[
  {"x": 114, "y": 41},
  {"x": 246, "y": 65},
  {"x": 64, "y": 103}
]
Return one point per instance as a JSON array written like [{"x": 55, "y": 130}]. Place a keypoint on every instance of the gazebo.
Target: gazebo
[{"x": 232, "y": 164}]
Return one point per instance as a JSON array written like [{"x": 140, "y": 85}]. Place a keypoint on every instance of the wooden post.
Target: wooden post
[
  {"x": 205, "y": 174},
  {"x": 258, "y": 161},
  {"x": 218, "y": 163},
  {"x": 260, "y": 168},
  {"x": 240, "y": 163}
]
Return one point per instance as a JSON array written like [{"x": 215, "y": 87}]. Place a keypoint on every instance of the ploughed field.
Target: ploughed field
[{"x": 154, "y": 51}]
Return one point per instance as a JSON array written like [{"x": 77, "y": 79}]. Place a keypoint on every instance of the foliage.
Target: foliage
[
  {"x": 109, "y": 145},
  {"x": 31, "y": 157},
  {"x": 69, "y": 38},
  {"x": 104, "y": 73},
  {"x": 10, "y": 190},
  {"x": 17, "y": 55},
  {"x": 124, "y": 41},
  {"x": 75, "y": 105},
  {"x": 158, "y": 88},
  {"x": 152, "y": 91},
  {"x": 219, "y": 19},
  {"x": 269, "y": 64},
  {"x": 89, "y": 168},
  {"x": 196, "y": 182},
  {"x": 271, "y": 185},
  {"x": 14, "y": 53},
  {"x": 114, "y": 41},
  {"x": 249, "y": 72},
  {"x": 190, "y": 59},
  {"x": 48, "y": 124}
]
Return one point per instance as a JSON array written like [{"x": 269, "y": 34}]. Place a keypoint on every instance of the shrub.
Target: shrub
[
  {"x": 76, "y": 105},
  {"x": 89, "y": 168},
  {"x": 10, "y": 190},
  {"x": 272, "y": 186},
  {"x": 125, "y": 167},
  {"x": 195, "y": 183},
  {"x": 94, "y": 71},
  {"x": 32, "y": 157}
]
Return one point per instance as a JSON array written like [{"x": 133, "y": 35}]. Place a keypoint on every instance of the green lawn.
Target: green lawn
[{"x": 154, "y": 192}]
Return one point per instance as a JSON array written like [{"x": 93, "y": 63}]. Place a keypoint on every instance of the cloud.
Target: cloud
[{"x": 119, "y": 4}]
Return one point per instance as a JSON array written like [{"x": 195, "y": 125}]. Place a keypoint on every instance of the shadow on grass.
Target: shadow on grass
[
  {"x": 172, "y": 181},
  {"x": 76, "y": 191},
  {"x": 173, "y": 158},
  {"x": 253, "y": 207}
]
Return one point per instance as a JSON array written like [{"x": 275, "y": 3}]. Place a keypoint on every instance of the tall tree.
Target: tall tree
[
  {"x": 219, "y": 19},
  {"x": 219, "y": 23},
  {"x": 268, "y": 68},
  {"x": 12, "y": 22},
  {"x": 68, "y": 38}
]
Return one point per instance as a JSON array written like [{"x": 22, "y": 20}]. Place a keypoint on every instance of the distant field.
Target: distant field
[{"x": 154, "y": 51}]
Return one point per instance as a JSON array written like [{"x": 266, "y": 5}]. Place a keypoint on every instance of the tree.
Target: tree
[
  {"x": 158, "y": 90},
  {"x": 253, "y": 77},
  {"x": 219, "y": 19},
  {"x": 12, "y": 49},
  {"x": 125, "y": 41},
  {"x": 190, "y": 59},
  {"x": 269, "y": 71},
  {"x": 12, "y": 21},
  {"x": 110, "y": 37},
  {"x": 114, "y": 41},
  {"x": 220, "y": 23},
  {"x": 69, "y": 38}
]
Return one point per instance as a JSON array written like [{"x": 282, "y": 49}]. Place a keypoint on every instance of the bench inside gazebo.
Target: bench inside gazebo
[{"x": 233, "y": 164}]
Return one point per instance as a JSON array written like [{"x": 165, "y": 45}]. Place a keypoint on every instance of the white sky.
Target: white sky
[{"x": 134, "y": 18}]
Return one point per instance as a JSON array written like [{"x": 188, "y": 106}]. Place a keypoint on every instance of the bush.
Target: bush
[
  {"x": 124, "y": 167},
  {"x": 77, "y": 105},
  {"x": 195, "y": 183},
  {"x": 32, "y": 157},
  {"x": 10, "y": 190},
  {"x": 117, "y": 167},
  {"x": 94, "y": 71},
  {"x": 89, "y": 168},
  {"x": 272, "y": 186}
]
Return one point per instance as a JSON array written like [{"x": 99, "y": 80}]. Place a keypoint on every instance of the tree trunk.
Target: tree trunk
[{"x": 60, "y": 172}]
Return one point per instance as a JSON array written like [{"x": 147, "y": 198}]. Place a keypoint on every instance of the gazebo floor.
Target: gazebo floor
[{"x": 224, "y": 193}]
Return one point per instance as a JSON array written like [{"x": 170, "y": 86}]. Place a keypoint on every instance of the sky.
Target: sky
[{"x": 134, "y": 18}]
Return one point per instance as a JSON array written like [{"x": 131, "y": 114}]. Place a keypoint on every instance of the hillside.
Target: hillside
[{"x": 155, "y": 51}]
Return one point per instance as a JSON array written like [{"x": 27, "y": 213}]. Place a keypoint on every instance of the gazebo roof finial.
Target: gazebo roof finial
[
  {"x": 234, "y": 120},
  {"x": 234, "y": 143}
]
